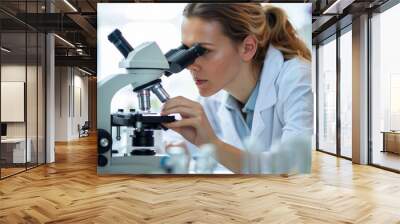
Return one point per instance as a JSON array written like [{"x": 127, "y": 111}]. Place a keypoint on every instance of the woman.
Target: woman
[{"x": 254, "y": 80}]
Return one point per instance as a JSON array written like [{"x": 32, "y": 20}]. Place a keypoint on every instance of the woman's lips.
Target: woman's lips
[{"x": 200, "y": 82}]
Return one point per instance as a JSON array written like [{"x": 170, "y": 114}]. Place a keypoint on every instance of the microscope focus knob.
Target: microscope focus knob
[
  {"x": 104, "y": 141},
  {"x": 102, "y": 160}
]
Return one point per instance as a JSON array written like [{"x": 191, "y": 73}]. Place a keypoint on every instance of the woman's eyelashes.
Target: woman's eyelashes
[{"x": 208, "y": 51}]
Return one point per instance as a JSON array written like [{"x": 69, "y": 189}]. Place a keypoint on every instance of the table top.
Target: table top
[
  {"x": 391, "y": 132},
  {"x": 13, "y": 140}
]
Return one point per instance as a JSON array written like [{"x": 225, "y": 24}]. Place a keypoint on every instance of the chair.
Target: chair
[{"x": 84, "y": 130}]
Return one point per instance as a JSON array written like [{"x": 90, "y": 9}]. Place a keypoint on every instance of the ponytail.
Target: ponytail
[{"x": 280, "y": 33}]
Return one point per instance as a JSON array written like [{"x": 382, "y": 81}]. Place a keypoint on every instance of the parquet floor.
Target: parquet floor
[
  {"x": 9, "y": 171},
  {"x": 69, "y": 191}
]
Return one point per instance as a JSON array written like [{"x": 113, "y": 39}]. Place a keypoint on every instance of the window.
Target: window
[
  {"x": 314, "y": 89},
  {"x": 22, "y": 66},
  {"x": 327, "y": 96},
  {"x": 346, "y": 94},
  {"x": 385, "y": 85}
]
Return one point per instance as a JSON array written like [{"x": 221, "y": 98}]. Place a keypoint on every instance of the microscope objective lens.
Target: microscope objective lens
[
  {"x": 144, "y": 100},
  {"x": 160, "y": 92}
]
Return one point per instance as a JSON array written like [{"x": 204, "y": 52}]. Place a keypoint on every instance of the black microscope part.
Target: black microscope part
[
  {"x": 144, "y": 86},
  {"x": 148, "y": 122},
  {"x": 120, "y": 42},
  {"x": 102, "y": 160},
  {"x": 103, "y": 134},
  {"x": 143, "y": 138},
  {"x": 173, "y": 51},
  {"x": 178, "y": 58},
  {"x": 182, "y": 57},
  {"x": 143, "y": 152},
  {"x": 118, "y": 137}
]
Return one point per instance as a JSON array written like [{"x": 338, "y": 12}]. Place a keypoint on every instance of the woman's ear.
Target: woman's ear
[{"x": 248, "y": 48}]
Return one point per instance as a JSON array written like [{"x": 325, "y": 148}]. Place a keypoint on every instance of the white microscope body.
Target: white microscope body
[{"x": 144, "y": 67}]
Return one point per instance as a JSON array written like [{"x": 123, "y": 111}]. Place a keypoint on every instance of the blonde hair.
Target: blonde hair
[{"x": 269, "y": 25}]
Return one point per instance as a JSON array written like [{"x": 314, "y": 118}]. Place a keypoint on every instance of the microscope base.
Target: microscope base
[
  {"x": 143, "y": 152},
  {"x": 133, "y": 165}
]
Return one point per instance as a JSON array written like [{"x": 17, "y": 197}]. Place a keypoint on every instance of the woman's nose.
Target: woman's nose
[{"x": 194, "y": 67}]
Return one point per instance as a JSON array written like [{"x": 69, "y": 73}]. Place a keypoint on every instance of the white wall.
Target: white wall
[
  {"x": 14, "y": 73},
  {"x": 70, "y": 83},
  {"x": 61, "y": 103}
]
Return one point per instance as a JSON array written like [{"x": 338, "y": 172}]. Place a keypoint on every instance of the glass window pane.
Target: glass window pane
[
  {"x": 22, "y": 76},
  {"x": 41, "y": 98},
  {"x": 327, "y": 97},
  {"x": 13, "y": 87},
  {"x": 346, "y": 94},
  {"x": 386, "y": 89},
  {"x": 31, "y": 97},
  {"x": 314, "y": 88}
]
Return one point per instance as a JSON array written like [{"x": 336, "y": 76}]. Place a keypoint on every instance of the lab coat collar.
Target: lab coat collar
[
  {"x": 267, "y": 93},
  {"x": 251, "y": 102},
  {"x": 230, "y": 102},
  {"x": 228, "y": 105},
  {"x": 272, "y": 65}
]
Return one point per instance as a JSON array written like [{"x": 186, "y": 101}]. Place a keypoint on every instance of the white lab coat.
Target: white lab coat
[{"x": 283, "y": 109}]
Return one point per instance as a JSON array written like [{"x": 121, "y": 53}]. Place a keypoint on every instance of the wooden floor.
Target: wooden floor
[
  {"x": 5, "y": 172},
  {"x": 70, "y": 191},
  {"x": 387, "y": 159},
  {"x": 10, "y": 171}
]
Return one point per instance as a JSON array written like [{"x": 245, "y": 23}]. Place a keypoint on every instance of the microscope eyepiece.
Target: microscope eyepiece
[
  {"x": 198, "y": 50},
  {"x": 120, "y": 43},
  {"x": 182, "y": 57}
]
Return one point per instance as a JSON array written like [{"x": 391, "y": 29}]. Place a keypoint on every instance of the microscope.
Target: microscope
[{"x": 144, "y": 67}]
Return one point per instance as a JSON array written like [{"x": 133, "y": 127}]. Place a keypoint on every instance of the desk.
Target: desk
[
  {"x": 18, "y": 150},
  {"x": 391, "y": 141}
]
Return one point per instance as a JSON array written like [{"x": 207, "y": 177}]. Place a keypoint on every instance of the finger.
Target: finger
[
  {"x": 179, "y": 101},
  {"x": 172, "y": 104},
  {"x": 189, "y": 122},
  {"x": 167, "y": 125},
  {"x": 177, "y": 130},
  {"x": 182, "y": 110}
]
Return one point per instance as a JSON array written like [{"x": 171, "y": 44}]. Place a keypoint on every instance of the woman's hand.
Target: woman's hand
[{"x": 194, "y": 125}]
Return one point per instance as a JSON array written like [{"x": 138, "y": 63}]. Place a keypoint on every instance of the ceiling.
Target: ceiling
[
  {"x": 331, "y": 15},
  {"x": 76, "y": 26},
  {"x": 75, "y": 21}
]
